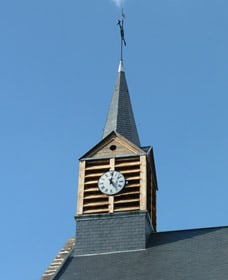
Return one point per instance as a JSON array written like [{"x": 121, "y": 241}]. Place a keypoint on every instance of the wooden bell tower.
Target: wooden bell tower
[
  {"x": 136, "y": 164},
  {"x": 116, "y": 205}
]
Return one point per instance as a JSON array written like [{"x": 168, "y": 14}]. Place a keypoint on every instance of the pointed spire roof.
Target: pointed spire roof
[{"x": 120, "y": 117}]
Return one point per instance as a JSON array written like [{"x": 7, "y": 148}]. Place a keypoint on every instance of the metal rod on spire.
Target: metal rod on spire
[{"x": 123, "y": 42}]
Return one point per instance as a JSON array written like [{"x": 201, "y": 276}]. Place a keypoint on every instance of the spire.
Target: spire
[{"x": 120, "y": 116}]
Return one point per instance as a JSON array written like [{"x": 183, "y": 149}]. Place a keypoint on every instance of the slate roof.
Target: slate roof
[
  {"x": 199, "y": 254},
  {"x": 59, "y": 260},
  {"x": 120, "y": 117}
]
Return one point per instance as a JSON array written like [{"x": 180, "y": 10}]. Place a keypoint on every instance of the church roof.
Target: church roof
[
  {"x": 120, "y": 116},
  {"x": 199, "y": 254}
]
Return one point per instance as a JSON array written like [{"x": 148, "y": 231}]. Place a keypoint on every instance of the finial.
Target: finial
[
  {"x": 121, "y": 67},
  {"x": 121, "y": 25}
]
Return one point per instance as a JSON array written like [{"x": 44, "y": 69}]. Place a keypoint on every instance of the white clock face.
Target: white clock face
[{"x": 111, "y": 182}]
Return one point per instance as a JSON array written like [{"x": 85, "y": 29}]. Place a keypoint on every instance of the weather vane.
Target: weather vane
[{"x": 121, "y": 25}]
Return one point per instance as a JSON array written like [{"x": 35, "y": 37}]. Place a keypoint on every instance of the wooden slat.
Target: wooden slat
[
  {"x": 97, "y": 167},
  {"x": 131, "y": 171},
  {"x": 127, "y": 159},
  {"x": 126, "y": 208},
  {"x": 92, "y": 190},
  {"x": 92, "y": 175},
  {"x": 123, "y": 164},
  {"x": 97, "y": 162},
  {"x": 95, "y": 204},
  {"x": 92, "y": 182},
  {"x": 133, "y": 178},
  {"x": 126, "y": 201},
  {"x": 96, "y": 196},
  {"x": 93, "y": 211},
  {"x": 127, "y": 193},
  {"x": 132, "y": 185}
]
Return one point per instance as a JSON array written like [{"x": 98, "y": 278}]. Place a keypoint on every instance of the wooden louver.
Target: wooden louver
[{"x": 133, "y": 195}]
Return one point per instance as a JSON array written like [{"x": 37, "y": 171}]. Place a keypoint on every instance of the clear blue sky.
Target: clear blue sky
[{"x": 58, "y": 65}]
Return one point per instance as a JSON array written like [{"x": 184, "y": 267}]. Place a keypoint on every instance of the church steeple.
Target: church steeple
[
  {"x": 117, "y": 185},
  {"x": 120, "y": 116},
  {"x": 116, "y": 207}
]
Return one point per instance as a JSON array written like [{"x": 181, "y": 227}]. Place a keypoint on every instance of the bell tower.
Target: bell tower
[{"x": 116, "y": 205}]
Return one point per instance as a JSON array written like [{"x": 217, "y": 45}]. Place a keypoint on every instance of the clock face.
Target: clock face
[{"x": 111, "y": 182}]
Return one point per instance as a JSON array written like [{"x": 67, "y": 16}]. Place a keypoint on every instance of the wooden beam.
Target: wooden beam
[
  {"x": 111, "y": 204},
  {"x": 143, "y": 179},
  {"x": 111, "y": 198},
  {"x": 81, "y": 180}
]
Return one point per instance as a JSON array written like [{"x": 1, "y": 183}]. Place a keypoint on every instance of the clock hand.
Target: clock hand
[
  {"x": 111, "y": 181},
  {"x": 114, "y": 185}
]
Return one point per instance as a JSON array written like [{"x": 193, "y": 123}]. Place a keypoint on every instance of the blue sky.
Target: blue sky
[{"x": 58, "y": 65}]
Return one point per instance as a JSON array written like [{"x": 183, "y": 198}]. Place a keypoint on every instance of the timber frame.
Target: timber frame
[{"x": 137, "y": 166}]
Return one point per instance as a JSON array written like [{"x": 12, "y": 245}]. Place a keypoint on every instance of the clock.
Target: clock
[{"x": 111, "y": 182}]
